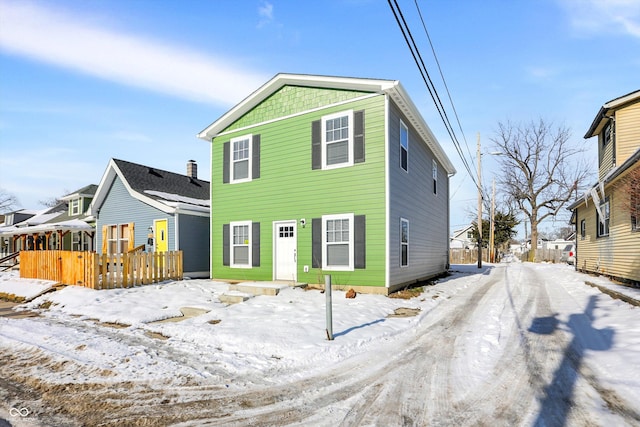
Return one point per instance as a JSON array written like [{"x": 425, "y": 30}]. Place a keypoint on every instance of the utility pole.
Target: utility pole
[
  {"x": 492, "y": 255},
  {"x": 479, "y": 204}
]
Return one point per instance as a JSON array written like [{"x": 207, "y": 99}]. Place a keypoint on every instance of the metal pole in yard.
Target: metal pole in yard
[
  {"x": 327, "y": 292},
  {"x": 479, "y": 154}
]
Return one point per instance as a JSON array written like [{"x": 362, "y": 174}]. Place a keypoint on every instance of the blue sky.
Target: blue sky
[{"x": 84, "y": 81}]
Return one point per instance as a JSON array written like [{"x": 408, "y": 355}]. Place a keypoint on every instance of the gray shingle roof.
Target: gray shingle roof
[{"x": 143, "y": 179}]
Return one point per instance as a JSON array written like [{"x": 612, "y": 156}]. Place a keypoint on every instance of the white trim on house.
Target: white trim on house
[
  {"x": 351, "y": 242},
  {"x": 392, "y": 88},
  {"x": 350, "y": 125},
  {"x": 387, "y": 199},
  {"x": 248, "y": 138},
  {"x": 301, "y": 113},
  {"x": 248, "y": 244}
]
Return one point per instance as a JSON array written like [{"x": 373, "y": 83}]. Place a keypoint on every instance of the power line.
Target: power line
[
  {"x": 433, "y": 50},
  {"x": 417, "y": 57}
]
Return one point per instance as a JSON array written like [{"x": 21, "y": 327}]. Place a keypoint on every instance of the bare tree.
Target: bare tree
[
  {"x": 539, "y": 169},
  {"x": 7, "y": 201}
]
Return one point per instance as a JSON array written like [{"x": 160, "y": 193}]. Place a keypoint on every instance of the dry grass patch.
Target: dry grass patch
[
  {"x": 11, "y": 297},
  {"x": 407, "y": 293}
]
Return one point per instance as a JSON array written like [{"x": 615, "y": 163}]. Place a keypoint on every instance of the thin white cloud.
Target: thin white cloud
[
  {"x": 266, "y": 14},
  {"x": 541, "y": 72},
  {"x": 594, "y": 17},
  {"x": 63, "y": 39},
  {"x": 131, "y": 136}
]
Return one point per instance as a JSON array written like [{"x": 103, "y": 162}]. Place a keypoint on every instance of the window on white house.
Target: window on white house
[
  {"x": 241, "y": 159},
  {"x": 337, "y": 140},
  {"x": 241, "y": 244},
  {"x": 404, "y": 242},
  {"x": 603, "y": 223},
  {"x": 404, "y": 146},
  {"x": 337, "y": 242}
]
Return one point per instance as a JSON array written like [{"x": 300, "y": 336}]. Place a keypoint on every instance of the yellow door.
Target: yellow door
[{"x": 162, "y": 238}]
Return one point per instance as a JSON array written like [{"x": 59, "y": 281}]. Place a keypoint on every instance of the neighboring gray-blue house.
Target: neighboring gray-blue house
[{"x": 138, "y": 207}]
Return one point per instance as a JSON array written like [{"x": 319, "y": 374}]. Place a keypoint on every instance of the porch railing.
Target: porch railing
[{"x": 102, "y": 271}]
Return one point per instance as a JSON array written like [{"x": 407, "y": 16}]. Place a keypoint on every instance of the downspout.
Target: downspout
[
  {"x": 211, "y": 210},
  {"x": 387, "y": 203},
  {"x": 177, "y": 231},
  {"x": 448, "y": 266}
]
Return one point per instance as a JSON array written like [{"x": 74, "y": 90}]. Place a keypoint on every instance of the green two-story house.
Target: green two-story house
[{"x": 316, "y": 175}]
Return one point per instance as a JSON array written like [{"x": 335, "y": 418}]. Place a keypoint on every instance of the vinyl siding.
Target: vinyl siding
[
  {"x": 288, "y": 189},
  {"x": 412, "y": 198},
  {"x": 616, "y": 255},
  {"x": 194, "y": 243},
  {"x": 627, "y": 132},
  {"x": 606, "y": 157},
  {"x": 120, "y": 208}
]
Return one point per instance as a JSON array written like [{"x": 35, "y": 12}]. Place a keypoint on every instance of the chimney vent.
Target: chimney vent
[{"x": 192, "y": 169}]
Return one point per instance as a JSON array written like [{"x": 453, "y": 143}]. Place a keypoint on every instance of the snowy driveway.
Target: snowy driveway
[{"x": 517, "y": 344}]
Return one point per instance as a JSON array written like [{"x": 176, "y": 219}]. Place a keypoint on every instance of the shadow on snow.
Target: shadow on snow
[{"x": 557, "y": 399}]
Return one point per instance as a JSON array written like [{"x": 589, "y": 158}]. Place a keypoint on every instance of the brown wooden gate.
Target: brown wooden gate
[{"x": 68, "y": 267}]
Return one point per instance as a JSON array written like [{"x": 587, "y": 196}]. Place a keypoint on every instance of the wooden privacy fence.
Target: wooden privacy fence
[
  {"x": 466, "y": 256},
  {"x": 105, "y": 271}
]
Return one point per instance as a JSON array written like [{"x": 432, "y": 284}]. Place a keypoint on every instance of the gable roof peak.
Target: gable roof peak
[{"x": 391, "y": 88}]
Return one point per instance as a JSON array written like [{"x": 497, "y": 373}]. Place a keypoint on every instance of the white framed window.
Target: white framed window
[
  {"x": 603, "y": 223},
  {"x": 434, "y": 172},
  {"x": 404, "y": 146},
  {"x": 337, "y": 242},
  {"x": 404, "y": 242},
  {"x": 117, "y": 238},
  {"x": 241, "y": 159},
  {"x": 240, "y": 244},
  {"x": 74, "y": 207},
  {"x": 337, "y": 140},
  {"x": 583, "y": 229}
]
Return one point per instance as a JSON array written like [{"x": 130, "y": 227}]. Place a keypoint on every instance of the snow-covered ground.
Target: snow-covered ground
[{"x": 118, "y": 336}]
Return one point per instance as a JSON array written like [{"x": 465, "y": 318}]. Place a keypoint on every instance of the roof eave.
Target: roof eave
[
  {"x": 281, "y": 80},
  {"x": 392, "y": 88},
  {"x": 608, "y": 108},
  {"x": 405, "y": 103}
]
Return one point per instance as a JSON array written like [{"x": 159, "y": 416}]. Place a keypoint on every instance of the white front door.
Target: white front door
[{"x": 285, "y": 262}]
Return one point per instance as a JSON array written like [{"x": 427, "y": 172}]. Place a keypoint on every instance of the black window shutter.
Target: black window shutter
[
  {"x": 255, "y": 161},
  {"x": 316, "y": 144},
  {"x": 255, "y": 244},
  {"x": 316, "y": 243},
  {"x": 226, "y": 250},
  {"x": 359, "y": 237},
  {"x": 358, "y": 136},
  {"x": 226, "y": 147}
]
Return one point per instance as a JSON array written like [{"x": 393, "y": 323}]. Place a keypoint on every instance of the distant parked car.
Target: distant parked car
[{"x": 569, "y": 254}]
